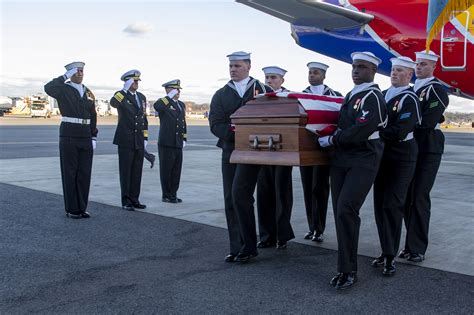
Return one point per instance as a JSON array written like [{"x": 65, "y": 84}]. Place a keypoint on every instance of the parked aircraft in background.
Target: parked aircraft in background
[{"x": 388, "y": 28}]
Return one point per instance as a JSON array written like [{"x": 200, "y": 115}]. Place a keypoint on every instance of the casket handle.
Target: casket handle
[
  {"x": 255, "y": 143},
  {"x": 271, "y": 146}
]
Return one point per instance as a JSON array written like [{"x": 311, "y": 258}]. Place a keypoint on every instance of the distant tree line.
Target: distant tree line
[{"x": 458, "y": 117}]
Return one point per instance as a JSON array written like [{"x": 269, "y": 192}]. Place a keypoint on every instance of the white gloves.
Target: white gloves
[
  {"x": 184, "y": 143},
  {"x": 128, "y": 84},
  {"x": 145, "y": 143},
  {"x": 94, "y": 144},
  {"x": 325, "y": 141},
  {"x": 70, "y": 73},
  {"x": 172, "y": 93}
]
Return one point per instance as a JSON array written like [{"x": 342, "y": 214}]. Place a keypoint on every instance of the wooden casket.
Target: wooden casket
[{"x": 271, "y": 131}]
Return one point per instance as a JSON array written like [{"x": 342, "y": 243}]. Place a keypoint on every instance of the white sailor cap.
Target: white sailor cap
[
  {"x": 317, "y": 65},
  {"x": 132, "y": 74},
  {"x": 367, "y": 56},
  {"x": 75, "y": 64},
  {"x": 239, "y": 55},
  {"x": 175, "y": 84},
  {"x": 403, "y": 61},
  {"x": 274, "y": 70},
  {"x": 427, "y": 55}
]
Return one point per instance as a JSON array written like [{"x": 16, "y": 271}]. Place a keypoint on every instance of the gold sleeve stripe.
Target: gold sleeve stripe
[
  {"x": 118, "y": 96},
  {"x": 145, "y": 133},
  {"x": 165, "y": 101}
]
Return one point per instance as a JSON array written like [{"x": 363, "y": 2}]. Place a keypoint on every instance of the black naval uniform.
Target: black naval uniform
[
  {"x": 274, "y": 202},
  {"x": 224, "y": 103},
  {"x": 315, "y": 181},
  {"x": 358, "y": 152},
  {"x": 75, "y": 142},
  {"x": 433, "y": 102},
  {"x": 131, "y": 132},
  {"x": 396, "y": 168},
  {"x": 170, "y": 144}
]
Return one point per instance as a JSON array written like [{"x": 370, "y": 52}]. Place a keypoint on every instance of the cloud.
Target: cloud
[{"x": 138, "y": 28}]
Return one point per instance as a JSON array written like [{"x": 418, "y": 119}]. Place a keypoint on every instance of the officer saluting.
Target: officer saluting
[
  {"x": 433, "y": 102},
  {"x": 398, "y": 161},
  {"x": 77, "y": 137},
  {"x": 171, "y": 140},
  {"x": 238, "y": 91},
  {"x": 131, "y": 137},
  {"x": 315, "y": 179},
  {"x": 358, "y": 150},
  {"x": 274, "y": 188}
]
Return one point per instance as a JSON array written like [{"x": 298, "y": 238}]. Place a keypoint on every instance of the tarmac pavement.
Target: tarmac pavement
[{"x": 169, "y": 258}]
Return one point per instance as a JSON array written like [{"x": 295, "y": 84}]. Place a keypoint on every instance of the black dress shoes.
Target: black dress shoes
[
  {"x": 85, "y": 215},
  {"x": 139, "y": 206},
  {"x": 346, "y": 280},
  {"x": 389, "y": 266},
  {"x": 169, "y": 200},
  {"x": 308, "y": 235},
  {"x": 416, "y": 258},
  {"x": 230, "y": 258},
  {"x": 244, "y": 258},
  {"x": 334, "y": 279},
  {"x": 128, "y": 207},
  {"x": 266, "y": 244},
  {"x": 318, "y": 237},
  {"x": 282, "y": 244},
  {"x": 179, "y": 200},
  {"x": 379, "y": 261},
  {"x": 74, "y": 215},
  {"x": 404, "y": 254}
]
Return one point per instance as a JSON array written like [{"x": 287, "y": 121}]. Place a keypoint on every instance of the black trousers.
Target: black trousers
[
  {"x": 418, "y": 203},
  {"x": 390, "y": 192},
  {"x": 315, "y": 181},
  {"x": 171, "y": 162},
  {"x": 274, "y": 203},
  {"x": 349, "y": 186},
  {"x": 228, "y": 172},
  {"x": 76, "y": 166},
  {"x": 130, "y": 169},
  {"x": 243, "y": 187}
]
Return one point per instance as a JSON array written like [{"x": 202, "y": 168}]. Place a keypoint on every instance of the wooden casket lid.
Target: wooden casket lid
[{"x": 271, "y": 107}]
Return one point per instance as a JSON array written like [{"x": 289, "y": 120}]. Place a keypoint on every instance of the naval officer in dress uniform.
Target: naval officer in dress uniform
[
  {"x": 274, "y": 188},
  {"x": 77, "y": 137},
  {"x": 315, "y": 179},
  {"x": 398, "y": 161},
  {"x": 238, "y": 91},
  {"x": 171, "y": 140},
  {"x": 433, "y": 102},
  {"x": 358, "y": 151},
  {"x": 131, "y": 137}
]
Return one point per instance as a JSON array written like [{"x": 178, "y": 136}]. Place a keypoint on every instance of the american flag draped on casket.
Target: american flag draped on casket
[{"x": 322, "y": 110}]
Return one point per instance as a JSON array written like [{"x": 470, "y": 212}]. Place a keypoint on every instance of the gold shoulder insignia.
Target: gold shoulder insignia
[
  {"x": 165, "y": 101},
  {"x": 89, "y": 94},
  {"x": 145, "y": 133},
  {"x": 118, "y": 96}
]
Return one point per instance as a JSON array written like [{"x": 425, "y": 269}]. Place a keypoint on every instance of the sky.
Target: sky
[{"x": 165, "y": 40}]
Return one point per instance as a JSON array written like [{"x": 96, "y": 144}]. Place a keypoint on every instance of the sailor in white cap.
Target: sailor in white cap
[
  {"x": 274, "y": 188},
  {"x": 238, "y": 91},
  {"x": 357, "y": 154},
  {"x": 77, "y": 136},
  {"x": 398, "y": 161},
  {"x": 171, "y": 139},
  {"x": 274, "y": 77},
  {"x": 433, "y": 102},
  {"x": 315, "y": 179},
  {"x": 131, "y": 137}
]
